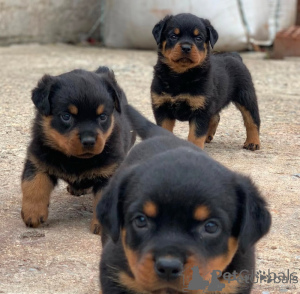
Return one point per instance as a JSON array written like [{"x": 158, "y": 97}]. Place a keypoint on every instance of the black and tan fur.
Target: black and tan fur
[
  {"x": 192, "y": 84},
  {"x": 79, "y": 135},
  {"x": 170, "y": 208}
]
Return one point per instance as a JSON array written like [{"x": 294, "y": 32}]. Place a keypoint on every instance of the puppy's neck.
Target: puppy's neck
[{"x": 164, "y": 72}]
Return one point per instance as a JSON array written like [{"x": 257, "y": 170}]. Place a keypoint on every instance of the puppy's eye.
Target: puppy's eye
[
  {"x": 198, "y": 39},
  {"x": 140, "y": 221},
  {"x": 173, "y": 37},
  {"x": 102, "y": 117},
  {"x": 211, "y": 227},
  {"x": 66, "y": 117}
]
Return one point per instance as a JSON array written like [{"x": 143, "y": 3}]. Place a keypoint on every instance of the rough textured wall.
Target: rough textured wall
[{"x": 46, "y": 21}]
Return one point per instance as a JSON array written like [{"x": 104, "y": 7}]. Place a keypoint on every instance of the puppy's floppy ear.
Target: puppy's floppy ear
[
  {"x": 41, "y": 94},
  {"x": 254, "y": 219},
  {"x": 112, "y": 85},
  {"x": 158, "y": 28},
  {"x": 105, "y": 70},
  {"x": 110, "y": 207},
  {"x": 212, "y": 33}
]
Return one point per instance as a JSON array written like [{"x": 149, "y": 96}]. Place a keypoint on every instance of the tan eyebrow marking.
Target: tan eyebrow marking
[
  {"x": 201, "y": 213},
  {"x": 73, "y": 109},
  {"x": 100, "y": 109},
  {"x": 150, "y": 209},
  {"x": 177, "y": 31}
]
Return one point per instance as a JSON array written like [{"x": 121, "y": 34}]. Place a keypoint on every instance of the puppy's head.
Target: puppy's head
[
  {"x": 183, "y": 41},
  {"x": 177, "y": 211},
  {"x": 76, "y": 110}
]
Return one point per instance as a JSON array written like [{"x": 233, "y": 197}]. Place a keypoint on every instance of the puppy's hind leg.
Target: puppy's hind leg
[
  {"x": 95, "y": 224},
  {"x": 95, "y": 227},
  {"x": 246, "y": 102},
  {"x": 78, "y": 192},
  {"x": 213, "y": 124}
]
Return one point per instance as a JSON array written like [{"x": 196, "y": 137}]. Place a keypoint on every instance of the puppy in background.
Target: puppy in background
[
  {"x": 79, "y": 135},
  {"x": 191, "y": 84},
  {"x": 170, "y": 213}
]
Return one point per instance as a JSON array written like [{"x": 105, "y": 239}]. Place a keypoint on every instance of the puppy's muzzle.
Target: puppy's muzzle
[
  {"x": 186, "y": 47},
  {"x": 88, "y": 140},
  {"x": 168, "y": 268}
]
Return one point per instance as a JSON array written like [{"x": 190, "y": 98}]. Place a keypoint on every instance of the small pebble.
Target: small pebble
[{"x": 273, "y": 247}]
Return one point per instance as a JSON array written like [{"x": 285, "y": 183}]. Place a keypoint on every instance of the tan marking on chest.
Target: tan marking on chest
[
  {"x": 195, "y": 102},
  {"x": 103, "y": 171}
]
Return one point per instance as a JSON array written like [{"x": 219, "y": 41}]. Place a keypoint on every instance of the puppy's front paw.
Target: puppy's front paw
[
  {"x": 95, "y": 227},
  {"x": 35, "y": 202},
  {"x": 251, "y": 146},
  {"x": 209, "y": 138},
  {"x": 34, "y": 215}
]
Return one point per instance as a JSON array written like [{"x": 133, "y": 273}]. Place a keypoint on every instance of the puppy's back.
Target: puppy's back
[{"x": 155, "y": 139}]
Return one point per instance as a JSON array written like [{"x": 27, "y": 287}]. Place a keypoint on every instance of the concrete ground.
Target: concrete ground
[{"x": 62, "y": 256}]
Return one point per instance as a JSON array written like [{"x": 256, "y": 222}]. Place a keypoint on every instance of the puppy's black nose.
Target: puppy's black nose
[
  {"x": 88, "y": 141},
  {"x": 186, "y": 48},
  {"x": 168, "y": 268}
]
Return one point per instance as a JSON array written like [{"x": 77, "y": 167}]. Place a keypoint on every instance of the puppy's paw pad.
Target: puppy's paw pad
[
  {"x": 209, "y": 139},
  {"x": 33, "y": 220},
  {"x": 251, "y": 146}
]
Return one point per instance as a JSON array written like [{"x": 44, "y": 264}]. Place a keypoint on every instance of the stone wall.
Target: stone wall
[{"x": 47, "y": 21}]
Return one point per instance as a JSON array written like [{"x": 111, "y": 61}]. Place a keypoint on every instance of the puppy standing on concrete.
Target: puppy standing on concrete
[
  {"x": 79, "y": 135},
  {"x": 191, "y": 84},
  {"x": 173, "y": 213}
]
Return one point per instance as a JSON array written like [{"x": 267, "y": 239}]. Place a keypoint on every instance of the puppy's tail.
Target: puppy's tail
[{"x": 144, "y": 128}]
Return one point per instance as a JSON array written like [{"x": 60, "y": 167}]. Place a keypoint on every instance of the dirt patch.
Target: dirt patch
[{"x": 62, "y": 256}]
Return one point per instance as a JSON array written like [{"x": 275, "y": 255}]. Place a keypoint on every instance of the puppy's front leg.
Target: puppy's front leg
[
  {"x": 213, "y": 124},
  {"x": 168, "y": 124},
  {"x": 164, "y": 117},
  {"x": 198, "y": 130},
  {"x": 36, "y": 187}
]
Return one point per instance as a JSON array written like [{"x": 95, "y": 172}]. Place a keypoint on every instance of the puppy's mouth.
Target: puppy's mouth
[
  {"x": 86, "y": 155},
  {"x": 185, "y": 60}
]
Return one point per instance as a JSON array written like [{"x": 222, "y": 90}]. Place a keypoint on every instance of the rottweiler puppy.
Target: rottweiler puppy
[
  {"x": 176, "y": 221},
  {"x": 191, "y": 84},
  {"x": 79, "y": 135}
]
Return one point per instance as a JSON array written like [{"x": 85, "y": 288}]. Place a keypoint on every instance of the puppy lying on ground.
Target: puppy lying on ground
[
  {"x": 79, "y": 135},
  {"x": 172, "y": 213},
  {"x": 191, "y": 84}
]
